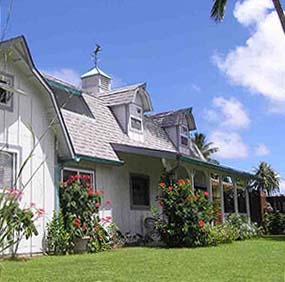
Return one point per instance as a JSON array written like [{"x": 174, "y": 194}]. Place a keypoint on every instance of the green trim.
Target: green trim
[
  {"x": 63, "y": 87},
  {"x": 78, "y": 158},
  {"x": 226, "y": 169}
]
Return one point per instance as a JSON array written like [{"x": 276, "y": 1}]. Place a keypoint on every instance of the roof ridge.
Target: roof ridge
[
  {"x": 121, "y": 89},
  {"x": 169, "y": 112}
]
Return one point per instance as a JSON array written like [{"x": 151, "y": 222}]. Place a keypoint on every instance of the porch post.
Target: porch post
[
  {"x": 210, "y": 187},
  {"x": 222, "y": 197},
  {"x": 235, "y": 196},
  {"x": 247, "y": 203}
]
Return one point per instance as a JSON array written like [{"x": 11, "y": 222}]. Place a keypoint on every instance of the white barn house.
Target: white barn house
[{"x": 109, "y": 134}]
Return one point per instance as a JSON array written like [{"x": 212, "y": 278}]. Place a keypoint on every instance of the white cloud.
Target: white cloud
[
  {"x": 229, "y": 113},
  {"x": 117, "y": 82},
  {"x": 65, "y": 74},
  {"x": 230, "y": 144},
  {"x": 252, "y": 12},
  {"x": 262, "y": 150},
  {"x": 259, "y": 64}
]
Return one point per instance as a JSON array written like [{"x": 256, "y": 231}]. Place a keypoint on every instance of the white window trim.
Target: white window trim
[
  {"x": 78, "y": 170},
  {"x": 135, "y": 129},
  {"x": 4, "y": 106},
  {"x": 16, "y": 164}
]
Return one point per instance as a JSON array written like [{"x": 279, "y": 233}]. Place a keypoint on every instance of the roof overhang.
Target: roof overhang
[{"x": 147, "y": 105}]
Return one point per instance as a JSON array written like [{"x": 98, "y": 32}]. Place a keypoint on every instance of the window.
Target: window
[
  {"x": 6, "y": 97},
  {"x": 136, "y": 123},
  {"x": 7, "y": 169},
  {"x": 184, "y": 135},
  {"x": 67, "y": 172},
  {"x": 139, "y": 186}
]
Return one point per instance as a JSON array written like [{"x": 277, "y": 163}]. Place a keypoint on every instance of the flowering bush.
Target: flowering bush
[
  {"x": 274, "y": 223},
  {"x": 16, "y": 222},
  {"x": 184, "y": 215},
  {"x": 80, "y": 205}
]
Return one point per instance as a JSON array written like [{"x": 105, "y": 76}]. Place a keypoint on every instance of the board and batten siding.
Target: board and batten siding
[
  {"x": 115, "y": 182},
  {"x": 15, "y": 135}
]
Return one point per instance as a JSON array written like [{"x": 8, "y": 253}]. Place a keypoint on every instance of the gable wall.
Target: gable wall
[{"x": 33, "y": 109}]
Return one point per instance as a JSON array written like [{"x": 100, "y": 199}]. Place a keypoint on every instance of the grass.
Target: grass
[{"x": 255, "y": 260}]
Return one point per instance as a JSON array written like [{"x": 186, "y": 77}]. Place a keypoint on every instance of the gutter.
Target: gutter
[
  {"x": 225, "y": 169},
  {"x": 78, "y": 158}
]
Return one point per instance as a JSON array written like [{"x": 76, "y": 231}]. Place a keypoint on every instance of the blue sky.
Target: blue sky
[{"x": 186, "y": 59}]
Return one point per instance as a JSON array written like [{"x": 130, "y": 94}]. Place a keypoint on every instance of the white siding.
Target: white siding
[{"x": 14, "y": 132}]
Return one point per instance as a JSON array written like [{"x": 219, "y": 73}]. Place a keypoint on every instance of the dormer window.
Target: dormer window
[
  {"x": 136, "y": 124},
  {"x": 184, "y": 135},
  {"x": 136, "y": 118},
  {"x": 6, "y": 97}
]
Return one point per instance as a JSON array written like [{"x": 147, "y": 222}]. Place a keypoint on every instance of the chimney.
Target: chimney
[{"x": 95, "y": 81}]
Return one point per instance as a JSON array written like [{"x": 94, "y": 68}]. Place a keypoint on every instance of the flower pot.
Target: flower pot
[{"x": 80, "y": 244}]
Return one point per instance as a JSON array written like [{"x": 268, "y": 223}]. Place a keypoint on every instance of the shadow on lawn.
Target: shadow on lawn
[{"x": 274, "y": 237}]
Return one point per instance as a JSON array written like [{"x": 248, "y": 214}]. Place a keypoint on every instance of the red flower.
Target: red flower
[
  {"x": 188, "y": 199},
  {"x": 97, "y": 205},
  {"x": 162, "y": 185},
  {"x": 86, "y": 177},
  {"x": 77, "y": 176},
  {"x": 108, "y": 202},
  {"x": 91, "y": 192},
  {"x": 219, "y": 214},
  {"x": 99, "y": 192},
  {"x": 181, "y": 182},
  {"x": 201, "y": 223},
  {"x": 40, "y": 212},
  {"x": 170, "y": 188},
  {"x": 84, "y": 228},
  {"x": 160, "y": 205},
  {"x": 76, "y": 222},
  {"x": 206, "y": 193}
]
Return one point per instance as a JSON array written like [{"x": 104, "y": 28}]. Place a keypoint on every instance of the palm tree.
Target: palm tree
[
  {"x": 205, "y": 148},
  {"x": 267, "y": 179},
  {"x": 219, "y": 7}
]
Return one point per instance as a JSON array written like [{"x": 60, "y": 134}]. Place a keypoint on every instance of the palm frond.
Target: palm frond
[{"x": 218, "y": 10}]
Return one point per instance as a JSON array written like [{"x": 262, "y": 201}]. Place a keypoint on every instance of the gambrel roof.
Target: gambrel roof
[
  {"x": 174, "y": 118},
  {"x": 127, "y": 95}
]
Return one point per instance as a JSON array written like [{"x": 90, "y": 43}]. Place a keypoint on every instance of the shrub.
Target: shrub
[
  {"x": 184, "y": 216},
  {"x": 16, "y": 222},
  {"x": 80, "y": 205},
  {"x": 244, "y": 229},
  {"x": 221, "y": 233},
  {"x": 58, "y": 238},
  {"x": 274, "y": 223}
]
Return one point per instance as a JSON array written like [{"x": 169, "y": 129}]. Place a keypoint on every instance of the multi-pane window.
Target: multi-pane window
[
  {"x": 136, "y": 123},
  {"x": 139, "y": 186},
  {"x": 7, "y": 169},
  {"x": 136, "y": 116},
  {"x": 67, "y": 172},
  {"x": 6, "y": 96},
  {"x": 184, "y": 135}
]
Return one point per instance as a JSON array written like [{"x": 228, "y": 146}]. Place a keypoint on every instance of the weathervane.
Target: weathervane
[{"x": 94, "y": 54}]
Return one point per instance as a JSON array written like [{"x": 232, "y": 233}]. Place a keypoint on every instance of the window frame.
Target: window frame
[
  {"x": 184, "y": 135},
  {"x": 138, "y": 119},
  {"x": 7, "y": 106},
  {"x": 132, "y": 205},
  {"x": 15, "y": 167},
  {"x": 83, "y": 171}
]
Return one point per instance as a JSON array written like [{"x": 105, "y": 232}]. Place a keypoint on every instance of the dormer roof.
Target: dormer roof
[
  {"x": 174, "y": 118},
  {"x": 127, "y": 95}
]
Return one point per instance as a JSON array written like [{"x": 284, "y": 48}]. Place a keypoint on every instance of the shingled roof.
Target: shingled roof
[
  {"x": 173, "y": 118},
  {"x": 125, "y": 95},
  {"x": 95, "y": 137}
]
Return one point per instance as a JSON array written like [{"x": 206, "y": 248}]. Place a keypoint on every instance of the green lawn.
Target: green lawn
[{"x": 255, "y": 260}]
